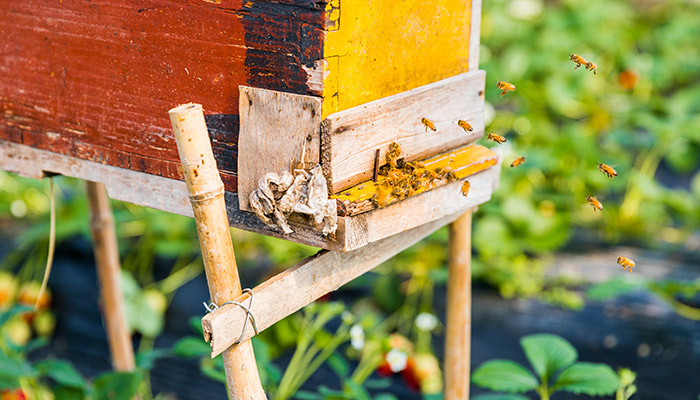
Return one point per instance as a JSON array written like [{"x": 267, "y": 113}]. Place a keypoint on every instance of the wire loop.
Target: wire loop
[{"x": 211, "y": 307}]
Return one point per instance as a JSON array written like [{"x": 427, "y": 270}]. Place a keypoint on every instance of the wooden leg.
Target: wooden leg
[
  {"x": 206, "y": 191},
  {"x": 459, "y": 310},
  {"x": 108, "y": 273}
]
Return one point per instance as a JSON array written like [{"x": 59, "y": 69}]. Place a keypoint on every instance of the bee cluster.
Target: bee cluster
[
  {"x": 402, "y": 179},
  {"x": 506, "y": 87}
]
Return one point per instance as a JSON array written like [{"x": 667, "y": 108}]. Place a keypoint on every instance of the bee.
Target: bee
[
  {"x": 626, "y": 263},
  {"x": 496, "y": 138},
  {"x": 465, "y": 188},
  {"x": 505, "y": 87},
  {"x": 597, "y": 205},
  {"x": 607, "y": 170},
  {"x": 517, "y": 162},
  {"x": 578, "y": 60},
  {"x": 428, "y": 124},
  {"x": 465, "y": 125},
  {"x": 591, "y": 66}
]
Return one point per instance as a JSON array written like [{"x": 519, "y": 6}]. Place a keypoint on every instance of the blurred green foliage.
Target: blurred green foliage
[{"x": 640, "y": 113}]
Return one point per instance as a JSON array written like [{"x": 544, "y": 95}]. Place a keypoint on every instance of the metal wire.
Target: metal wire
[{"x": 211, "y": 307}]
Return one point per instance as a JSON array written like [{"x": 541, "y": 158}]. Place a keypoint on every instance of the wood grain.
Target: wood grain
[
  {"x": 350, "y": 138},
  {"x": 459, "y": 309},
  {"x": 148, "y": 190},
  {"x": 415, "y": 211},
  {"x": 276, "y": 128},
  {"x": 91, "y": 79},
  {"x": 206, "y": 193},
  {"x": 109, "y": 275},
  {"x": 303, "y": 284}
]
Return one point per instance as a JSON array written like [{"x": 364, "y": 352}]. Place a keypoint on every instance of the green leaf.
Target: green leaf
[
  {"x": 146, "y": 359},
  {"x": 115, "y": 385},
  {"x": 68, "y": 393},
  {"x": 614, "y": 287},
  {"x": 385, "y": 396},
  {"x": 339, "y": 365},
  {"x": 12, "y": 369},
  {"x": 588, "y": 378},
  {"x": 355, "y": 391},
  {"x": 191, "y": 347},
  {"x": 548, "y": 354},
  {"x": 213, "y": 369},
  {"x": 500, "y": 396},
  {"x": 60, "y": 371},
  {"x": 12, "y": 311},
  {"x": 504, "y": 376}
]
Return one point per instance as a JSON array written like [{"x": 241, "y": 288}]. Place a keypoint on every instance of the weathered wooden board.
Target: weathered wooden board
[
  {"x": 350, "y": 138},
  {"x": 277, "y": 129},
  {"x": 303, "y": 283},
  {"x": 147, "y": 190},
  {"x": 171, "y": 195},
  {"x": 93, "y": 80}
]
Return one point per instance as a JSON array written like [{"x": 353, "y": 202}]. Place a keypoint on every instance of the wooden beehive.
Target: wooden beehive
[{"x": 86, "y": 85}]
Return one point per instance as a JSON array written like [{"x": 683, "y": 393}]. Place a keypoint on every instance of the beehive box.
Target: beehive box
[{"x": 86, "y": 87}]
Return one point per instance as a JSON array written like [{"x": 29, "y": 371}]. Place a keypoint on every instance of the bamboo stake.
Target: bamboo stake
[
  {"x": 459, "y": 303},
  {"x": 206, "y": 191},
  {"x": 108, "y": 274}
]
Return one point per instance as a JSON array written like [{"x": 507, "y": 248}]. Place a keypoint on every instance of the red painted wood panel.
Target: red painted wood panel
[{"x": 94, "y": 79}]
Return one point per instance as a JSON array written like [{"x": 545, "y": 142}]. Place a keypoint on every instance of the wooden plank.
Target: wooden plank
[
  {"x": 462, "y": 162},
  {"x": 91, "y": 79},
  {"x": 148, "y": 190},
  {"x": 379, "y": 48},
  {"x": 276, "y": 129},
  {"x": 429, "y": 206},
  {"x": 170, "y": 195},
  {"x": 350, "y": 138},
  {"x": 303, "y": 284}
]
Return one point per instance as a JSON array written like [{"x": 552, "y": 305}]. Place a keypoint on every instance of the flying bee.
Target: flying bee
[
  {"x": 517, "y": 162},
  {"x": 607, "y": 170},
  {"x": 465, "y": 125},
  {"x": 465, "y": 188},
  {"x": 428, "y": 124},
  {"x": 578, "y": 60},
  {"x": 626, "y": 263},
  {"x": 505, "y": 87},
  {"x": 591, "y": 66},
  {"x": 496, "y": 138},
  {"x": 597, "y": 205}
]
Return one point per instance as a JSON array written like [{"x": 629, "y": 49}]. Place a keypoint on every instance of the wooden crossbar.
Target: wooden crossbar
[{"x": 289, "y": 291}]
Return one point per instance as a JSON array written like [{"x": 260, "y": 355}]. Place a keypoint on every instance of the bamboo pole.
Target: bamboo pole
[
  {"x": 459, "y": 303},
  {"x": 108, "y": 274},
  {"x": 206, "y": 191}
]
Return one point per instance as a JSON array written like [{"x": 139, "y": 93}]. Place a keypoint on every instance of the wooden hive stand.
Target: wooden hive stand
[{"x": 285, "y": 86}]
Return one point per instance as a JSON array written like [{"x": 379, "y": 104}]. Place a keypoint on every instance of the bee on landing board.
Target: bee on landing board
[
  {"x": 465, "y": 125},
  {"x": 597, "y": 205},
  {"x": 496, "y": 138},
  {"x": 428, "y": 124},
  {"x": 465, "y": 188},
  {"x": 626, "y": 263},
  {"x": 517, "y": 162},
  {"x": 578, "y": 60},
  {"x": 591, "y": 66},
  {"x": 607, "y": 170},
  {"x": 505, "y": 87}
]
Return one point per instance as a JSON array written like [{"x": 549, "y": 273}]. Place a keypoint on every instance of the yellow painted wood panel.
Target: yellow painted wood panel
[{"x": 377, "y": 48}]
